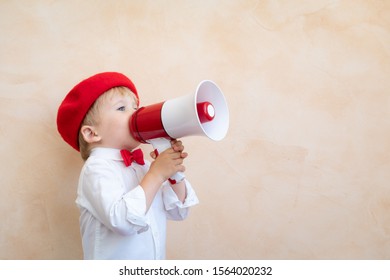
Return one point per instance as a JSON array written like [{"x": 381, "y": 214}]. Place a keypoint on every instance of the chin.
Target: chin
[{"x": 132, "y": 145}]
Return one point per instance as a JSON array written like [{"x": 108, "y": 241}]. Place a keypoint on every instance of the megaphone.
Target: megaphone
[{"x": 204, "y": 113}]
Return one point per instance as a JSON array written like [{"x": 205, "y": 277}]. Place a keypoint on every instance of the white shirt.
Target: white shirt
[{"x": 113, "y": 221}]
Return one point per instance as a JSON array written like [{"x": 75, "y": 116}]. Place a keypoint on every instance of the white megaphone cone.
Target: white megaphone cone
[{"x": 204, "y": 113}]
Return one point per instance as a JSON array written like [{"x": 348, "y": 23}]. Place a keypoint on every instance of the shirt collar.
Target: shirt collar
[{"x": 107, "y": 153}]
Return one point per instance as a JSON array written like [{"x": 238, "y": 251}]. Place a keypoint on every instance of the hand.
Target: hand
[
  {"x": 177, "y": 146},
  {"x": 169, "y": 162},
  {"x": 165, "y": 165}
]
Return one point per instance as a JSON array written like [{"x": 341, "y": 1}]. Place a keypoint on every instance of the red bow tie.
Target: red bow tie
[{"x": 129, "y": 157}]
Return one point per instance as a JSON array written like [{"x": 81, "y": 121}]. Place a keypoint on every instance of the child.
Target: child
[{"x": 124, "y": 201}]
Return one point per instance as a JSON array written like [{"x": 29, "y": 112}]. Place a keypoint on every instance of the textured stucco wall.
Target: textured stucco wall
[{"x": 304, "y": 171}]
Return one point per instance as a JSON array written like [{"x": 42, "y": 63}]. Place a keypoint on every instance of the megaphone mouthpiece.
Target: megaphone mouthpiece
[{"x": 146, "y": 123}]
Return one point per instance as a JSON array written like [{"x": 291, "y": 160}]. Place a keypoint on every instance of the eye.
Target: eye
[{"x": 121, "y": 108}]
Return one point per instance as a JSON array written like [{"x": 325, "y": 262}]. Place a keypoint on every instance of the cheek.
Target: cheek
[
  {"x": 120, "y": 126},
  {"x": 116, "y": 126},
  {"x": 123, "y": 126}
]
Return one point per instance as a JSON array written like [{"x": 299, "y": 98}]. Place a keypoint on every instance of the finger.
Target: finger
[
  {"x": 169, "y": 151},
  {"x": 178, "y": 161},
  {"x": 177, "y": 147},
  {"x": 176, "y": 155},
  {"x": 181, "y": 168},
  {"x": 180, "y": 148}
]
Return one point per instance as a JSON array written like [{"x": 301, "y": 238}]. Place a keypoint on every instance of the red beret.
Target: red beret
[{"x": 77, "y": 102}]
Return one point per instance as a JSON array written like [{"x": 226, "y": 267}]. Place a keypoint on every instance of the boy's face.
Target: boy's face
[{"x": 113, "y": 128}]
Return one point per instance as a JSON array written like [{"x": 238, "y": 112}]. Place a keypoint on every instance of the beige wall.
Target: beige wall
[{"x": 304, "y": 172}]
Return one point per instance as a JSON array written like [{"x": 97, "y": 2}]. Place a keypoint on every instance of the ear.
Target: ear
[{"x": 89, "y": 134}]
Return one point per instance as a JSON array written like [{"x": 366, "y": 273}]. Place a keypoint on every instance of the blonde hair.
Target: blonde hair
[{"x": 92, "y": 117}]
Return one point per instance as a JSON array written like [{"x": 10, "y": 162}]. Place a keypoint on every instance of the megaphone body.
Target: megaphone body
[{"x": 204, "y": 113}]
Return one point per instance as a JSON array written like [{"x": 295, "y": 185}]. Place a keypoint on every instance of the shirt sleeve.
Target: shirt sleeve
[
  {"x": 102, "y": 192},
  {"x": 177, "y": 210}
]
